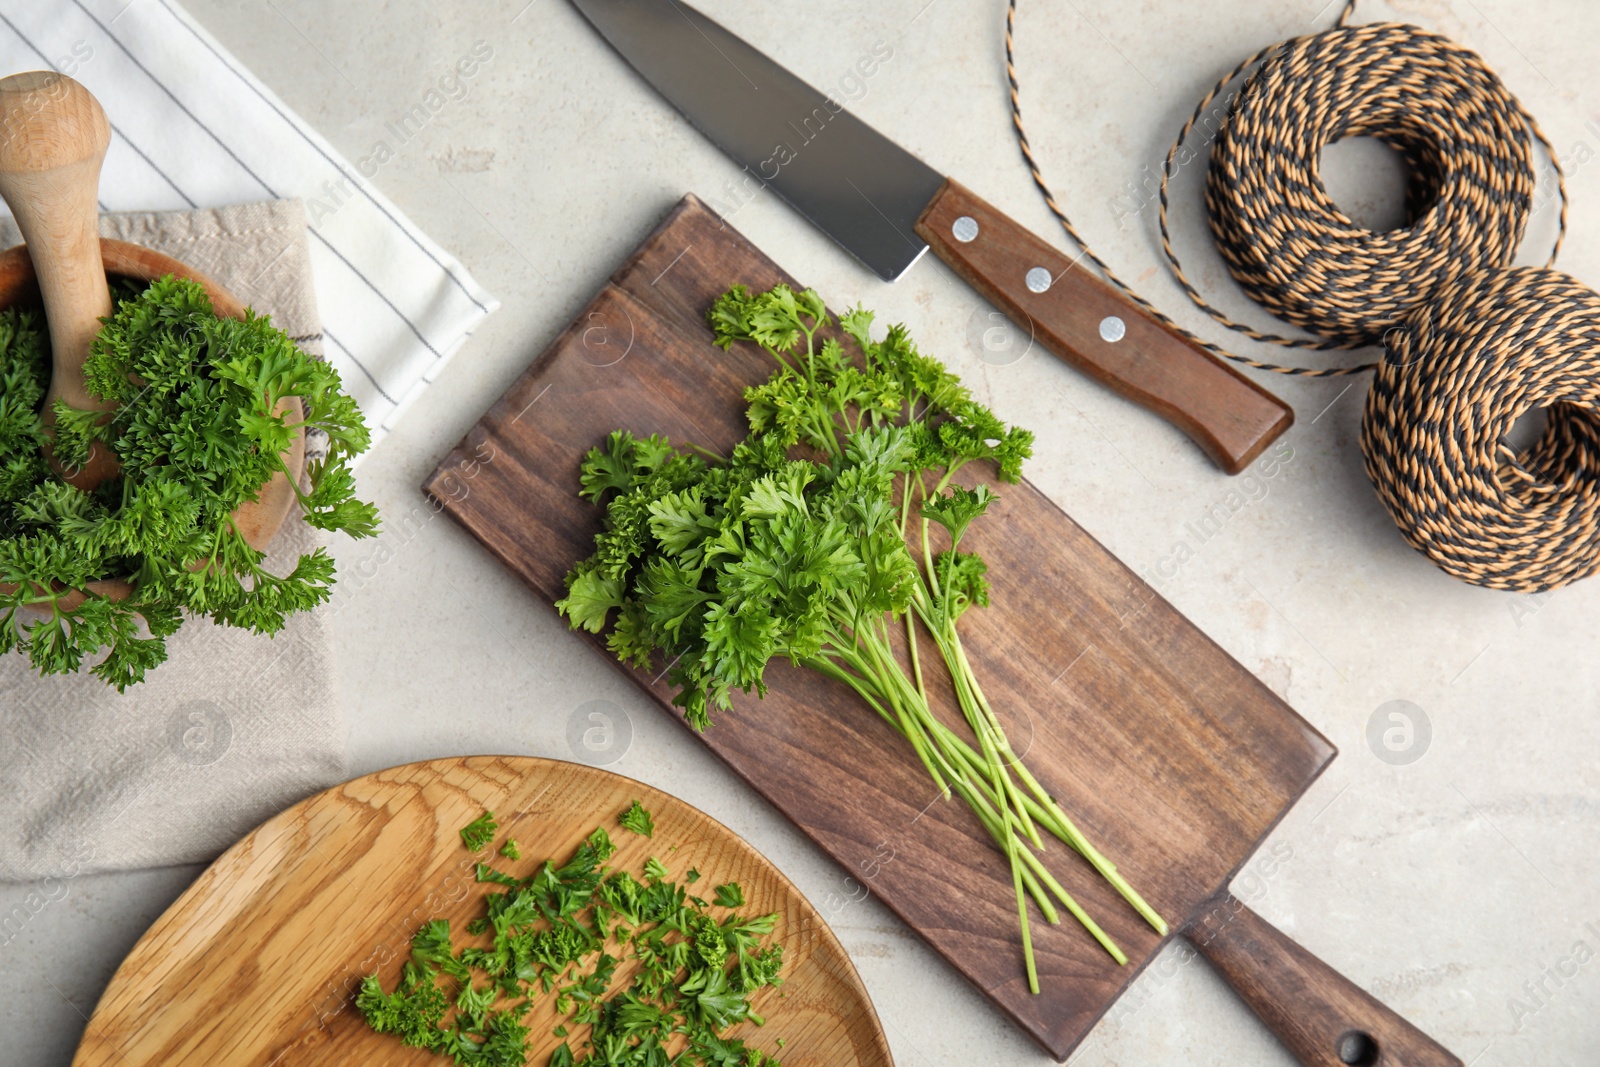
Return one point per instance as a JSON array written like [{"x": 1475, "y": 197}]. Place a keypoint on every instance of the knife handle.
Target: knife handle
[
  {"x": 1089, "y": 325},
  {"x": 1322, "y": 1017}
]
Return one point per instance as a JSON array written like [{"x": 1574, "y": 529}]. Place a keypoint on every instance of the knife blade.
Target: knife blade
[{"x": 887, "y": 207}]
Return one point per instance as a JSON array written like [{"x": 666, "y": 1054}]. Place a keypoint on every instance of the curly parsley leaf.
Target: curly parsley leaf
[
  {"x": 477, "y": 834},
  {"x": 956, "y": 509},
  {"x": 638, "y": 820}
]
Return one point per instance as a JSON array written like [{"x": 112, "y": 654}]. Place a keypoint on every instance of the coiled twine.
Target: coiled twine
[
  {"x": 1469, "y": 170},
  {"x": 1471, "y": 343},
  {"x": 1465, "y": 366}
]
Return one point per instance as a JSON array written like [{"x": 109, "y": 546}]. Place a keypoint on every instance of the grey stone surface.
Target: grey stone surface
[{"x": 1450, "y": 886}]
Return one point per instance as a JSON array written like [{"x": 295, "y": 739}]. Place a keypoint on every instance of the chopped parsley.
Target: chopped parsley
[
  {"x": 564, "y": 932},
  {"x": 478, "y": 833},
  {"x": 637, "y": 819}
]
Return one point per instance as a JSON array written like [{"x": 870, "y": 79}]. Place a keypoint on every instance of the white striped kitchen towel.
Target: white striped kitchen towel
[{"x": 192, "y": 128}]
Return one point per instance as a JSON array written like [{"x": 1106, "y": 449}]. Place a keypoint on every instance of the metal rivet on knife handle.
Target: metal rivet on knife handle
[
  {"x": 1112, "y": 329},
  {"x": 964, "y": 229},
  {"x": 1038, "y": 279}
]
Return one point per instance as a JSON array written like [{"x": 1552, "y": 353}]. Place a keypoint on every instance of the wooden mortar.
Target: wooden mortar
[{"x": 53, "y": 138}]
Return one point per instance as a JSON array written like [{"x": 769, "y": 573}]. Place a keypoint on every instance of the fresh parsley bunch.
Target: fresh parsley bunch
[
  {"x": 197, "y": 431},
  {"x": 814, "y": 541}
]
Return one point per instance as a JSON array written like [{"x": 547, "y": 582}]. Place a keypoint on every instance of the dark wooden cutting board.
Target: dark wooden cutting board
[{"x": 1170, "y": 755}]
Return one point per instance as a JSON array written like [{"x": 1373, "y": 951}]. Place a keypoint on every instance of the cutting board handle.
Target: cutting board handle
[
  {"x": 1322, "y": 1017},
  {"x": 1087, "y": 324}
]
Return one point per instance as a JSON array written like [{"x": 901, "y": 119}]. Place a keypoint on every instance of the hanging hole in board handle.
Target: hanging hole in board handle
[{"x": 1358, "y": 1049}]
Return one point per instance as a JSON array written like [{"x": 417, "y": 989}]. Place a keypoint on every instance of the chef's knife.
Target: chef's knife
[{"x": 887, "y": 207}]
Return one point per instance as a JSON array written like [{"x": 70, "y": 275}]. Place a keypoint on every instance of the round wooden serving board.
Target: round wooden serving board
[{"x": 257, "y": 963}]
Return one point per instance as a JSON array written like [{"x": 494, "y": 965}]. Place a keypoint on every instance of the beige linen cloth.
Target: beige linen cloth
[{"x": 234, "y": 726}]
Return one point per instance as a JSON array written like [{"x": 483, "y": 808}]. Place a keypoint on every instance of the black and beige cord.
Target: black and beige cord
[{"x": 1470, "y": 343}]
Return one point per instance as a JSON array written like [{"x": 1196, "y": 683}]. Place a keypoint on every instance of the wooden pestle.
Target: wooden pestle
[{"x": 53, "y": 139}]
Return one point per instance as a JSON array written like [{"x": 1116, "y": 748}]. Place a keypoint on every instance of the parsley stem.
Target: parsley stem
[
  {"x": 1040, "y": 898},
  {"x": 1067, "y": 831},
  {"x": 983, "y": 721},
  {"x": 972, "y": 790},
  {"x": 1056, "y": 821},
  {"x": 1022, "y": 916},
  {"x": 991, "y": 737},
  {"x": 991, "y": 754},
  {"x": 916, "y": 658},
  {"x": 927, "y": 556},
  {"x": 987, "y": 728},
  {"x": 870, "y": 666},
  {"x": 987, "y": 816},
  {"x": 305, "y": 501},
  {"x": 1075, "y": 908}
]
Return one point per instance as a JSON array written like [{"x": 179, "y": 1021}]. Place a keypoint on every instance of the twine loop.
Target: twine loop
[
  {"x": 1455, "y": 378},
  {"x": 1468, "y": 160}
]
